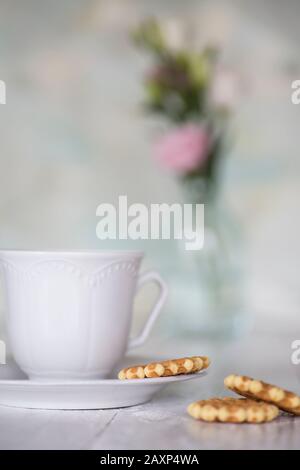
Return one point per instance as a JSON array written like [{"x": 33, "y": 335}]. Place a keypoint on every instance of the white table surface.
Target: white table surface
[{"x": 164, "y": 423}]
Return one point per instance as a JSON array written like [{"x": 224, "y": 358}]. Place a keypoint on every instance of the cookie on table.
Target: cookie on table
[
  {"x": 233, "y": 410},
  {"x": 259, "y": 390},
  {"x": 172, "y": 367}
]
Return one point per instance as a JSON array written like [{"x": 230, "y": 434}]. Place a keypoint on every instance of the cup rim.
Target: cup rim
[{"x": 73, "y": 252}]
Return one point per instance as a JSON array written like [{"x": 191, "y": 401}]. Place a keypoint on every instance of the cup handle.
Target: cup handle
[{"x": 150, "y": 276}]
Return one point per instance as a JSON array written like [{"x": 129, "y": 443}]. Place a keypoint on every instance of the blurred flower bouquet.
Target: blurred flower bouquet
[{"x": 186, "y": 88}]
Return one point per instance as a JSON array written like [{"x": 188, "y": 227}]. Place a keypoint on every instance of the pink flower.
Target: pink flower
[{"x": 184, "y": 149}]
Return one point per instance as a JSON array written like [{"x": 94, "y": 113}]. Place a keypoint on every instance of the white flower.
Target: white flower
[
  {"x": 175, "y": 33},
  {"x": 225, "y": 88}
]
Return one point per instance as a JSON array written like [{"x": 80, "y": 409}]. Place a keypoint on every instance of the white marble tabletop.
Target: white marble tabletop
[{"x": 163, "y": 423}]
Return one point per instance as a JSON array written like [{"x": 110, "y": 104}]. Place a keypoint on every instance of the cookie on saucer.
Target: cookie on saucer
[{"x": 172, "y": 367}]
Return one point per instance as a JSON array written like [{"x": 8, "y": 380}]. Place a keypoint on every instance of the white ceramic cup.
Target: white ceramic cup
[{"x": 69, "y": 312}]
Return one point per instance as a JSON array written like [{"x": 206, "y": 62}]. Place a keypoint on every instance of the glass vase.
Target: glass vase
[{"x": 207, "y": 285}]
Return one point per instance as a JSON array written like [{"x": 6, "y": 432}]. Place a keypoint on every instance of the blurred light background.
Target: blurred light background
[{"x": 73, "y": 135}]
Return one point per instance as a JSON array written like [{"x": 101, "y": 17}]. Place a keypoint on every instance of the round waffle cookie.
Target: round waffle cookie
[
  {"x": 258, "y": 390},
  {"x": 232, "y": 410},
  {"x": 186, "y": 365}
]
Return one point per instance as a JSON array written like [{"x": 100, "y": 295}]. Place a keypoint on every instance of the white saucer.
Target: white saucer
[{"x": 84, "y": 395}]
